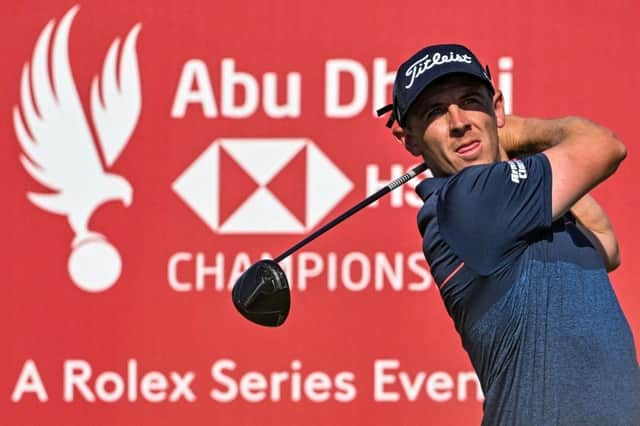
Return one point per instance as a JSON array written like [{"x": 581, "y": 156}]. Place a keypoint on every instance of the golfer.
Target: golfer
[{"x": 518, "y": 248}]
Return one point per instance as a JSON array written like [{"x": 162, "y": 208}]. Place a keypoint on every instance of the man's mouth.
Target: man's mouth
[{"x": 468, "y": 149}]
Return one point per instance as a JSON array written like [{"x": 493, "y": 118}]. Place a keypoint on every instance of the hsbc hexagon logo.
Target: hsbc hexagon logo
[{"x": 262, "y": 186}]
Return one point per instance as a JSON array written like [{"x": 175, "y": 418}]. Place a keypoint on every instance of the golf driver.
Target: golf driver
[{"x": 261, "y": 294}]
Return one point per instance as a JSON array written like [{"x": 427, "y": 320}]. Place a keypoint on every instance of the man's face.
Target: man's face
[{"x": 454, "y": 124}]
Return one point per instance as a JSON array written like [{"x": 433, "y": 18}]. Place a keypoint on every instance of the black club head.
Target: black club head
[{"x": 261, "y": 294}]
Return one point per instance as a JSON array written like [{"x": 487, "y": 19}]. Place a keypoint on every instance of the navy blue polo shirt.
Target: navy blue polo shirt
[{"x": 530, "y": 298}]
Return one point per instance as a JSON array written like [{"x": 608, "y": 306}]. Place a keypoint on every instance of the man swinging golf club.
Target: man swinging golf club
[{"x": 518, "y": 249}]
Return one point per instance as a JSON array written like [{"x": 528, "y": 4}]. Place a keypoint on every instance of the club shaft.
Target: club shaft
[{"x": 362, "y": 204}]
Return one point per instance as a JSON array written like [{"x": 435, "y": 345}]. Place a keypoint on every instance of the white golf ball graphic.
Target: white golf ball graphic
[{"x": 94, "y": 265}]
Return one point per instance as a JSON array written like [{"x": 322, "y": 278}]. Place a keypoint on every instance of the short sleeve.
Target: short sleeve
[{"x": 486, "y": 213}]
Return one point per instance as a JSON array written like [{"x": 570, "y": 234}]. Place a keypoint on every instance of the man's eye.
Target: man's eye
[
  {"x": 470, "y": 101},
  {"x": 434, "y": 112}
]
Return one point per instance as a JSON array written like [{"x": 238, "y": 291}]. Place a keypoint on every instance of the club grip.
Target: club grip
[{"x": 407, "y": 176}]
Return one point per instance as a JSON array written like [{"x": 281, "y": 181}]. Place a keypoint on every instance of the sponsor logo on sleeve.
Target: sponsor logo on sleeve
[{"x": 518, "y": 171}]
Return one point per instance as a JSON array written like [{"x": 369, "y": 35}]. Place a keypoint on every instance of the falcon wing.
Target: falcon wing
[
  {"x": 59, "y": 151},
  {"x": 115, "y": 108}
]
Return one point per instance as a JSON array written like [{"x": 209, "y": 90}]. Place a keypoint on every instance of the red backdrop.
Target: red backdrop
[{"x": 224, "y": 166}]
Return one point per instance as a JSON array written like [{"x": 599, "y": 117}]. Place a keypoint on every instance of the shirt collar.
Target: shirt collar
[{"x": 430, "y": 185}]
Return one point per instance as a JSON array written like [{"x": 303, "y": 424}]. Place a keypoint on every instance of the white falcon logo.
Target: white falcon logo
[{"x": 59, "y": 150}]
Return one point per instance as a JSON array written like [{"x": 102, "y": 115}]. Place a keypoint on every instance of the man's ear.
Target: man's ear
[
  {"x": 398, "y": 132},
  {"x": 405, "y": 138},
  {"x": 498, "y": 106}
]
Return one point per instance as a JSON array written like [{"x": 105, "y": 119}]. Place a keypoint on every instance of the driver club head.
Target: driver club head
[{"x": 261, "y": 294}]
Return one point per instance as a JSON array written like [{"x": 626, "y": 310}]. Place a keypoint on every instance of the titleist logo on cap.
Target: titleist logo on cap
[{"x": 416, "y": 69}]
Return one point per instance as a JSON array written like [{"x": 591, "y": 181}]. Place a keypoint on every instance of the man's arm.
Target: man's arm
[
  {"x": 595, "y": 225},
  {"x": 521, "y": 137},
  {"x": 581, "y": 153}
]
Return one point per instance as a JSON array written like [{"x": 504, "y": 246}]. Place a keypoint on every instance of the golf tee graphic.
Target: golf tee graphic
[{"x": 60, "y": 151}]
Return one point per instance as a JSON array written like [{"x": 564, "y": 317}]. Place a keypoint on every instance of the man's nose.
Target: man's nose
[{"x": 458, "y": 121}]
